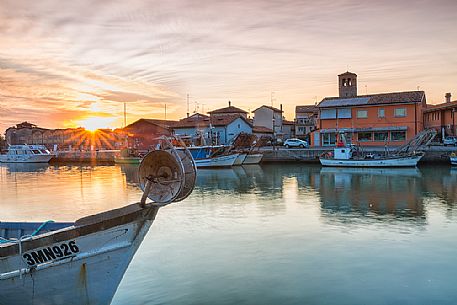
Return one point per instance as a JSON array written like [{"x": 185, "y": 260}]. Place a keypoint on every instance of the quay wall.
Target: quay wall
[
  {"x": 433, "y": 154},
  {"x": 102, "y": 157}
]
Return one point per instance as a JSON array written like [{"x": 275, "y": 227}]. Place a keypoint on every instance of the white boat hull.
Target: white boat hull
[
  {"x": 453, "y": 160},
  {"x": 240, "y": 159},
  {"x": 409, "y": 161},
  {"x": 26, "y": 158},
  {"x": 221, "y": 161},
  {"x": 253, "y": 159},
  {"x": 90, "y": 276}
]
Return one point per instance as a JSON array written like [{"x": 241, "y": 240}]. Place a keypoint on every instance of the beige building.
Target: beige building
[{"x": 269, "y": 117}]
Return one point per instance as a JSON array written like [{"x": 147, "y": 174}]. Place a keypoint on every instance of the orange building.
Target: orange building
[
  {"x": 442, "y": 117},
  {"x": 370, "y": 120}
]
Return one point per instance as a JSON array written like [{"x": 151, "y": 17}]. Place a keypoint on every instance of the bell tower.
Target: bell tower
[{"x": 347, "y": 84}]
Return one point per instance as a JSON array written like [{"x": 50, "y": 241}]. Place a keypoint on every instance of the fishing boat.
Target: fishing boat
[
  {"x": 253, "y": 159},
  {"x": 240, "y": 159},
  {"x": 26, "y": 154},
  {"x": 83, "y": 262},
  {"x": 212, "y": 156},
  {"x": 128, "y": 156},
  {"x": 345, "y": 155}
]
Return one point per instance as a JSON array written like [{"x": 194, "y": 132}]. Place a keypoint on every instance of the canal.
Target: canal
[{"x": 270, "y": 234}]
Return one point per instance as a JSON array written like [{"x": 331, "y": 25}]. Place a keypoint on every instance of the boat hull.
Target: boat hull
[
  {"x": 240, "y": 159},
  {"x": 453, "y": 160},
  {"x": 409, "y": 161},
  {"x": 90, "y": 275},
  {"x": 127, "y": 160},
  {"x": 26, "y": 159},
  {"x": 221, "y": 161},
  {"x": 253, "y": 159}
]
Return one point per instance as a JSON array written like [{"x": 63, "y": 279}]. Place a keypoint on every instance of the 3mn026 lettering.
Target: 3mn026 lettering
[{"x": 55, "y": 252}]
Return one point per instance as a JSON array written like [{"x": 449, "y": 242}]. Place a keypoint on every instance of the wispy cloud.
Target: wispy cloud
[{"x": 60, "y": 63}]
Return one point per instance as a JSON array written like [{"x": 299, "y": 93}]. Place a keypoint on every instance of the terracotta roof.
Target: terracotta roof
[
  {"x": 306, "y": 108},
  {"x": 195, "y": 120},
  {"x": 161, "y": 123},
  {"x": 374, "y": 99},
  {"x": 229, "y": 109},
  {"x": 441, "y": 106},
  {"x": 269, "y": 107},
  {"x": 204, "y": 121},
  {"x": 261, "y": 129}
]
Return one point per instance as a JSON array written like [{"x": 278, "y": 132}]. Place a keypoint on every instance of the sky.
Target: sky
[{"x": 75, "y": 63}]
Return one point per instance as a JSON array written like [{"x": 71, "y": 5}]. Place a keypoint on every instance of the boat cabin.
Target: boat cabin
[
  {"x": 343, "y": 153},
  {"x": 27, "y": 150}
]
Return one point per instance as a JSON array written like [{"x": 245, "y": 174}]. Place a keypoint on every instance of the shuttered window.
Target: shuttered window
[
  {"x": 328, "y": 114},
  {"x": 344, "y": 113}
]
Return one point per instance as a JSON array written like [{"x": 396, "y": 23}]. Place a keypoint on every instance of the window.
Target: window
[
  {"x": 328, "y": 139},
  {"x": 328, "y": 114},
  {"x": 239, "y": 126},
  {"x": 380, "y": 136},
  {"x": 362, "y": 114},
  {"x": 398, "y": 135},
  {"x": 381, "y": 113},
  {"x": 400, "y": 112},
  {"x": 344, "y": 113},
  {"x": 364, "y": 136}
]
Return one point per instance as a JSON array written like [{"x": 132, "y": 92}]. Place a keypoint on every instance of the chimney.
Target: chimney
[
  {"x": 280, "y": 107},
  {"x": 230, "y": 103},
  {"x": 448, "y": 97}
]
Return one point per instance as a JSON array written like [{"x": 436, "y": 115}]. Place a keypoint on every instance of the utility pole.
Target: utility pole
[
  {"x": 165, "y": 112},
  {"x": 125, "y": 114}
]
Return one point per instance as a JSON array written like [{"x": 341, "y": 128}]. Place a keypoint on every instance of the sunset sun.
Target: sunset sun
[{"x": 94, "y": 123}]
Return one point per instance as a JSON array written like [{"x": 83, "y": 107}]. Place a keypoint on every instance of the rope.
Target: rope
[{"x": 22, "y": 239}]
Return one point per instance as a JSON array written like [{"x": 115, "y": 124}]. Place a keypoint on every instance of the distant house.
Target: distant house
[
  {"x": 375, "y": 119},
  {"x": 261, "y": 131},
  {"x": 305, "y": 120},
  {"x": 288, "y": 129},
  {"x": 269, "y": 117},
  {"x": 141, "y": 133},
  {"x": 442, "y": 117},
  {"x": 218, "y": 129},
  {"x": 230, "y": 110}
]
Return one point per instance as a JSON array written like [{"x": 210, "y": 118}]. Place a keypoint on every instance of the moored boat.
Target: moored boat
[
  {"x": 218, "y": 161},
  {"x": 343, "y": 156},
  {"x": 253, "y": 159},
  {"x": 240, "y": 159},
  {"x": 128, "y": 156},
  {"x": 26, "y": 154},
  {"x": 84, "y": 262}
]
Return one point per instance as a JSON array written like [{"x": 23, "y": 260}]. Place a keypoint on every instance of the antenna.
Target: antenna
[
  {"x": 187, "y": 104},
  {"x": 272, "y": 94},
  {"x": 125, "y": 114},
  {"x": 366, "y": 90}
]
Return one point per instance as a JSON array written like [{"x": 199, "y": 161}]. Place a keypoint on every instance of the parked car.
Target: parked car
[
  {"x": 295, "y": 143},
  {"x": 450, "y": 141}
]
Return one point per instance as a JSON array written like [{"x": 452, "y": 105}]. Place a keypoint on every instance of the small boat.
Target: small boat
[
  {"x": 453, "y": 159},
  {"x": 83, "y": 262},
  {"x": 343, "y": 156},
  {"x": 240, "y": 159},
  {"x": 26, "y": 154},
  {"x": 128, "y": 156},
  {"x": 212, "y": 156},
  {"x": 218, "y": 161},
  {"x": 253, "y": 159}
]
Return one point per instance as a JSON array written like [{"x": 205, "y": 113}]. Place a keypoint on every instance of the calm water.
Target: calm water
[{"x": 276, "y": 234}]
